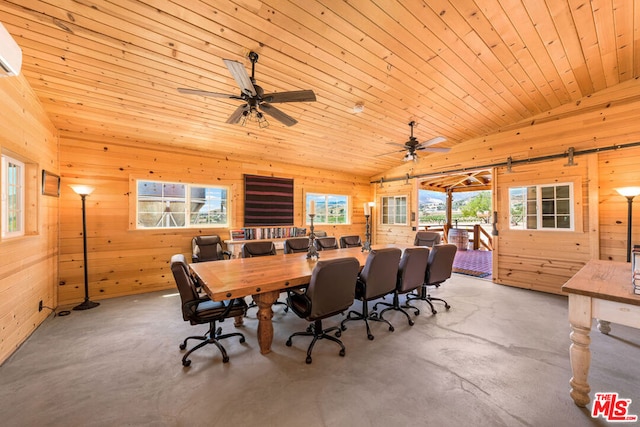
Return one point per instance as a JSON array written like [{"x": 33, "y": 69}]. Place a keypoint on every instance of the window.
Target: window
[
  {"x": 330, "y": 208},
  {"x": 175, "y": 205},
  {"x": 541, "y": 207},
  {"x": 394, "y": 210},
  {"x": 12, "y": 197}
]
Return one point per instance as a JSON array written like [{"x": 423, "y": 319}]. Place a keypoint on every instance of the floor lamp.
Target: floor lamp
[
  {"x": 84, "y": 191},
  {"x": 629, "y": 193}
]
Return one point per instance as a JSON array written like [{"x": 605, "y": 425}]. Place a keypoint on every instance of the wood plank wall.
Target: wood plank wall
[
  {"x": 125, "y": 261},
  {"x": 541, "y": 260},
  {"x": 393, "y": 234},
  {"x": 617, "y": 169},
  {"x": 536, "y": 259},
  {"x": 29, "y": 266}
]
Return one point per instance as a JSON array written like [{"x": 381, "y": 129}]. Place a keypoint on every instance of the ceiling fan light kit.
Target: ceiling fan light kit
[
  {"x": 254, "y": 115},
  {"x": 256, "y": 102},
  {"x": 412, "y": 146},
  {"x": 410, "y": 156}
]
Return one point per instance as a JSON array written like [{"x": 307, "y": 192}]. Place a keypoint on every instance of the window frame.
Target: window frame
[
  {"x": 8, "y": 209},
  {"x": 385, "y": 215},
  {"x": 541, "y": 205},
  {"x": 316, "y": 196},
  {"x": 186, "y": 200}
]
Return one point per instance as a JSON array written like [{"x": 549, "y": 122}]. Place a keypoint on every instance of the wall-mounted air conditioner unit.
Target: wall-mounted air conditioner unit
[{"x": 10, "y": 54}]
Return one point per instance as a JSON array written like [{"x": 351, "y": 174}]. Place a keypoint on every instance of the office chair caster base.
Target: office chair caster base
[
  {"x": 342, "y": 353},
  {"x": 183, "y": 346},
  {"x": 186, "y": 363},
  {"x": 288, "y": 343},
  {"x": 371, "y": 337},
  {"x": 338, "y": 333},
  {"x": 308, "y": 360}
]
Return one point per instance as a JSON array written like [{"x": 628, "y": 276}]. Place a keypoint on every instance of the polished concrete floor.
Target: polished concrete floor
[{"x": 499, "y": 357}]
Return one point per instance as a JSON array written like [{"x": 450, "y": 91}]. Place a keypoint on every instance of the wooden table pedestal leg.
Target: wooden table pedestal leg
[
  {"x": 580, "y": 321},
  {"x": 265, "y": 314},
  {"x": 238, "y": 321},
  {"x": 580, "y": 361}
]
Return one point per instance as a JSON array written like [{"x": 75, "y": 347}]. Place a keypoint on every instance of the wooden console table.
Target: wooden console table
[{"x": 601, "y": 290}]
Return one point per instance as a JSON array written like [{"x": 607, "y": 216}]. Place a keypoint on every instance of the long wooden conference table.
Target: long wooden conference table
[{"x": 264, "y": 278}]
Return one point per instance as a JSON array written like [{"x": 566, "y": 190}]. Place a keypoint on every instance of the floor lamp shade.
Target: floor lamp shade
[
  {"x": 629, "y": 193},
  {"x": 84, "y": 191}
]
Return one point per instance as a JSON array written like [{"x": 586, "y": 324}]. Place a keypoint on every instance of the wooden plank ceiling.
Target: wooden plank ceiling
[{"x": 108, "y": 70}]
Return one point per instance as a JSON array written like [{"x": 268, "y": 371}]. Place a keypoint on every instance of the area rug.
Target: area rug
[{"x": 473, "y": 263}]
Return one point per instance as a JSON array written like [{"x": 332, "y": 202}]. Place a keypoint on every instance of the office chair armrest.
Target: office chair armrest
[
  {"x": 227, "y": 254},
  {"x": 298, "y": 302},
  {"x": 195, "y": 258},
  {"x": 192, "y": 305}
]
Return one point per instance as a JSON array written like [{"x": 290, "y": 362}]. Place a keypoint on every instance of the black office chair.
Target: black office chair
[
  {"x": 326, "y": 243},
  {"x": 296, "y": 244},
  {"x": 427, "y": 238},
  {"x": 257, "y": 248},
  {"x": 350, "y": 241},
  {"x": 413, "y": 266},
  {"x": 439, "y": 269},
  {"x": 208, "y": 248},
  {"x": 319, "y": 233},
  {"x": 378, "y": 278},
  {"x": 331, "y": 291},
  {"x": 200, "y": 310}
]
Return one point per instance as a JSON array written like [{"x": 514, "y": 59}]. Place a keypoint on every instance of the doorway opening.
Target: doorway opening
[{"x": 459, "y": 206}]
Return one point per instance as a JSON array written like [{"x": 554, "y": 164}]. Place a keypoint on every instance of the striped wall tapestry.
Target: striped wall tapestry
[{"x": 267, "y": 201}]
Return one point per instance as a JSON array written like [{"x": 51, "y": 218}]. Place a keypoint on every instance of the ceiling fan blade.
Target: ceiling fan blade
[
  {"x": 392, "y": 152},
  {"x": 291, "y": 96},
  {"x": 237, "y": 114},
  {"x": 397, "y": 144},
  {"x": 239, "y": 73},
  {"x": 434, "y": 149},
  {"x": 207, "y": 93},
  {"x": 426, "y": 145},
  {"x": 277, "y": 114},
  {"x": 432, "y": 141}
]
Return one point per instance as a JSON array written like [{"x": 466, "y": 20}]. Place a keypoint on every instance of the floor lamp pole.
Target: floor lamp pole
[
  {"x": 629, "y": 219},
  {"x": 84, "y": 191},
  {"x": 629, "y": 193}
]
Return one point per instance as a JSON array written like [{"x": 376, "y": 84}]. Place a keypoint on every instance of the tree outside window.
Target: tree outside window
[{"x": 329, "y": 208}]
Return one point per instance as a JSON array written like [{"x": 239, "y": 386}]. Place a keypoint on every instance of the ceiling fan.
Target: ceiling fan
[
  {"x": 256, "y": 102},
  {"x": 412, "y": 146}
]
